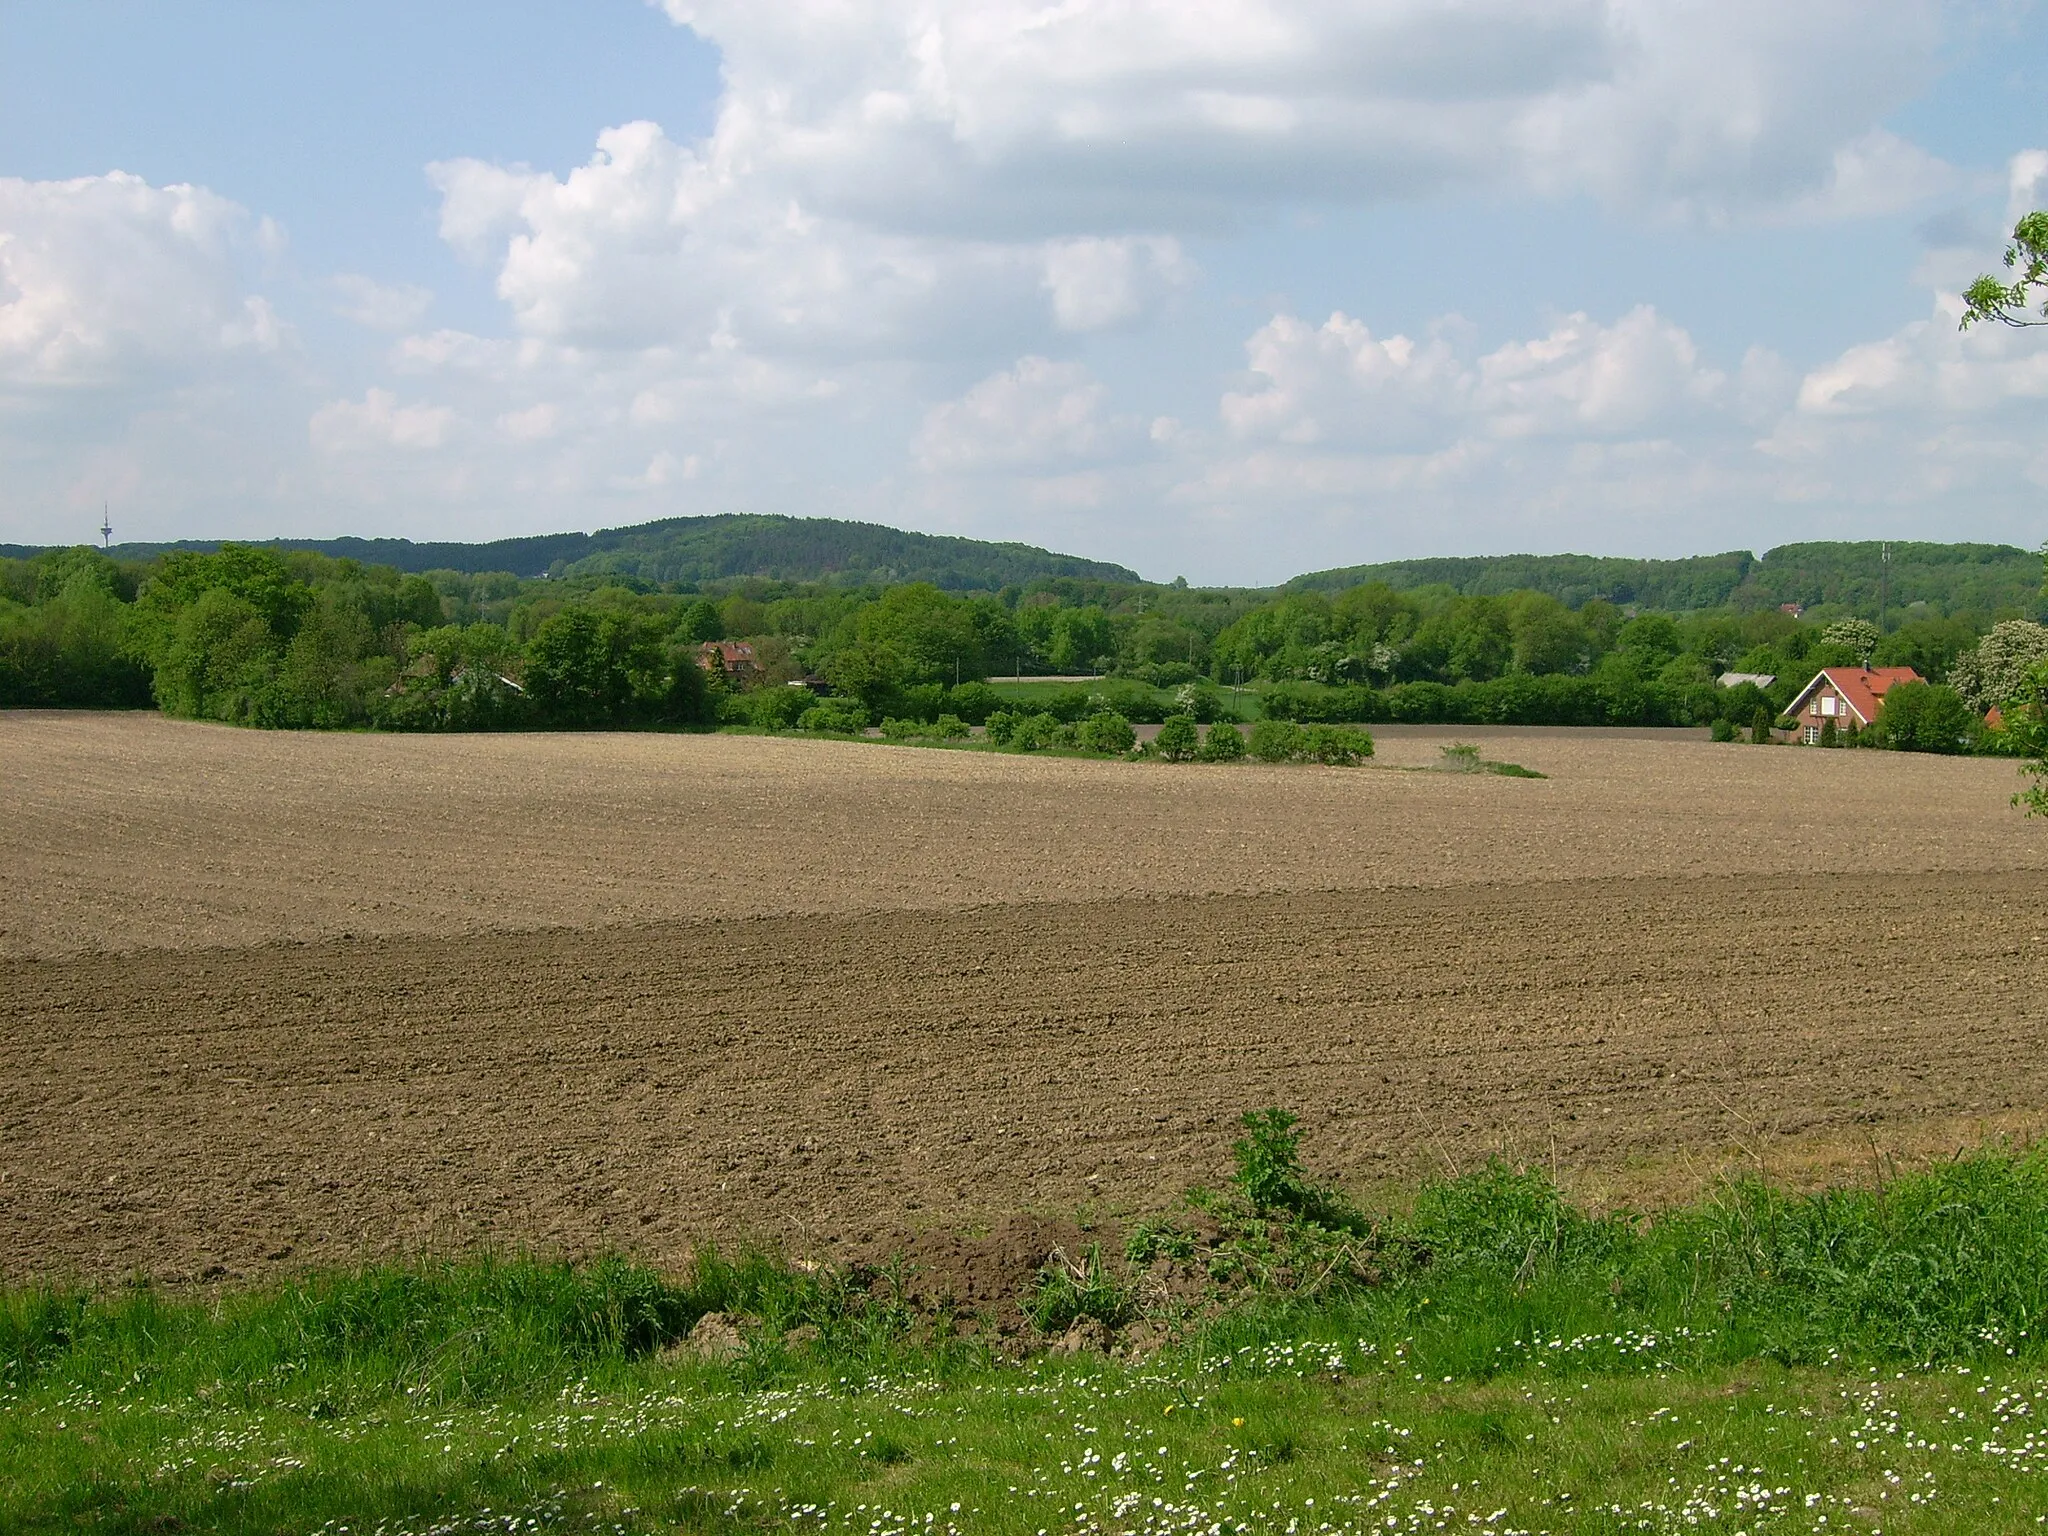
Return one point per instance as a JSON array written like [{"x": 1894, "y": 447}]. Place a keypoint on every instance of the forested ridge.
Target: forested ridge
[
  {"x": 260, "y": 635},
  {"x": 697, "y": 549},
  {"x": 1853, "y": 576}
]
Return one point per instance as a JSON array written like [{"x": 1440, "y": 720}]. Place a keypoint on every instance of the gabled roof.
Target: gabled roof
[
  {"x": 1863, "y": 688},
  {"x": 1736, "y": 679}
]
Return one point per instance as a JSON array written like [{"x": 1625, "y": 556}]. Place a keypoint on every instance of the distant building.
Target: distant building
[
  {"x": 1795, "y": 609},
  {"x": 1737, "y": 679},
  {"x": 1846, "y": 695},
  {"x": 734, "y": 657}
]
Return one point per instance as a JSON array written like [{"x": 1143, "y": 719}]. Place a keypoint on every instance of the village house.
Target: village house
[
  {"x": 735, "y": 657},
  {"x": 1847, "y": 696}
]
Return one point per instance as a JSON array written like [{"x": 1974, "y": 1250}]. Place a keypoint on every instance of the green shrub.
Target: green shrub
[
  {"x": 1926, "y": 717},
  {"x": 1201, "y": 700},
  {"x": 846, "y": 716},
  {"x": 1223, "y": 744},
  {"x": 973, "y": 702},
  {"x": 1067, "y": 1292},
  {"x": 1338, "y": 745},
  {"x": 949, "y": 728},
  {"x": 1108, "y": 733},
  {"x": 1270, "y": 1176},
  {"x": 1033, "y": 733},
  {"x": 1275, "y": 741},
  {"x": 1760, "y": 728},
  {"x": 1268, "y": 1156},
  {"x": 1723, "y": 729},
  {"x": 775, "y": 709},
  {"x": 1312, "y": 702},
  {"x": 1134, "y": 701},
  {"x": 1159, "y": 1237},
  {"x": 1177, "y": 741}
]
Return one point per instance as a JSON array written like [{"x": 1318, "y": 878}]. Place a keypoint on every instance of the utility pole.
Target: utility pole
[{"x": 1884, "y": 582}]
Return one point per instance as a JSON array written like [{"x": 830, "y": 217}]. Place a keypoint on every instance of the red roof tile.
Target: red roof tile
[{"x": 1863, "y": 687}]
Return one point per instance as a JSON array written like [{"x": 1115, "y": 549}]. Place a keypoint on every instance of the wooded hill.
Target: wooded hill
[
  {"x": 690, "y": 550},
  {"x": 1949, "y": 578}
]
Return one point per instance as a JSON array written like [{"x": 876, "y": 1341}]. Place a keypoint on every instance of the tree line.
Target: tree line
[{"x": 293, "y": 638}]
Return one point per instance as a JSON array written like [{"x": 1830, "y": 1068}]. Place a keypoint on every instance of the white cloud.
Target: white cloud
[
  {"x": 379, "y": 421},
  {"x": 896, "y": 181},
  {"x": 531, "y": 425},
  {"x": 1038, "y": 415},
  {"x": 1595, "y": 380},
  {"x": 1338, "y": 382},
  {"x": 1144, "y": 114},
  {"x": 2026, "y": 184},
  {"x": 902, "y": 192},
  {"x": 106, "y": 277},
  {"x": 380, "y": 306},
  {"x": 1096, "y": 284}
]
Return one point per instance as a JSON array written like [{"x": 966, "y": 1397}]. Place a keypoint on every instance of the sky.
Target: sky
[{"x": 1223, "y": 289}]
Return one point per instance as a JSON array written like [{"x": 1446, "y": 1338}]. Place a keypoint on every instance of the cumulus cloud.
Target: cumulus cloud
[
  {"x": 896, "y": 194},
  {"x": 106, "y": 277},
  {"x": 380, "y": 306},
  {"x": 1337, "y": 382},
  {"x": 1096, "y": 283},
  {"x": 378, "y": 420},
  {"x": 1038, "y": 415},
  {"x": 1151, "y": 113},
  {"x": 950, "y": 179}
]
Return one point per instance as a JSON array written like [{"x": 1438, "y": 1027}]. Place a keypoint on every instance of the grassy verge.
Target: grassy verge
[{"x": 1489, "y": 1358}]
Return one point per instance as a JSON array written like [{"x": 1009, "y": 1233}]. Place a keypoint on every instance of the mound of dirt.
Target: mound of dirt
[{"x": 974, "y": 1281}]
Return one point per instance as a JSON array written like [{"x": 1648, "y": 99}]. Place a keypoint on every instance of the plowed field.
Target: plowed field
[{"x": 271, "y": 1000}]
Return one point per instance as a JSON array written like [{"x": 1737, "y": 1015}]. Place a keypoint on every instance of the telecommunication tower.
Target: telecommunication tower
[{"x": 106, "y": 527}]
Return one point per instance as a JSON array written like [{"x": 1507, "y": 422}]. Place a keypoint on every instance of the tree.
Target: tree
[
  {"x": 1859, "y": 637},
  {"x": 598, "y": 667},
  {"x": 1926, "y": 717},
  {"x": 935, "y": 636},
  {"x": 1990, "y": 298},
  {"x": 219, "y": 660},
  {"x": 2027, "y": 721},
  {"x": 1998, "y": 667}
]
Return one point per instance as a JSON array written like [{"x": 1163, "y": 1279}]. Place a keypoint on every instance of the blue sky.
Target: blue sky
[{"x": 1230, "y": 291}]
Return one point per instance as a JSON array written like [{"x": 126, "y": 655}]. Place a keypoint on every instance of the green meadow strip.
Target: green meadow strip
[{"x": 1489, "y": 1357}]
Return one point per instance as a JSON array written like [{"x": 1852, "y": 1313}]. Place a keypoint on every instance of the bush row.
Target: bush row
[{"x": 1552, "y": 699}]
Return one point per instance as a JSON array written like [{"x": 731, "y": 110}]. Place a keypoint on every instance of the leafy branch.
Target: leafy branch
[{"x": 1989, "y": 298}]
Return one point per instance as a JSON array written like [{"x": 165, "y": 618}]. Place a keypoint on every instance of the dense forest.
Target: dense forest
[
  {"x": 701, "y": 549},
  {"x": 1854, "y": 577},
  {"x": 266, "y": 636}
]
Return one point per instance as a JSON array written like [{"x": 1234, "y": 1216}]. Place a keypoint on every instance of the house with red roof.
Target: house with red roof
[
  {"x": 735, "y": 658},
  {"x": 1848, "y": 696}
]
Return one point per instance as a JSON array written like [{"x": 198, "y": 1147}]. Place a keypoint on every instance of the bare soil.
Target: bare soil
[
  {"x": 122, "y": 832},
  {"x": 605, "y": 992}
]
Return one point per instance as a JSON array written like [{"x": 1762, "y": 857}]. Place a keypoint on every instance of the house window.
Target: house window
[
  {"x": 1827, "y": 705},
  {"x": 1813, "y": 735}
]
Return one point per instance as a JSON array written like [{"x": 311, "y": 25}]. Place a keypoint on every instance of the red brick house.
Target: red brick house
[
  {"x": 735, "y": 656},
  {"x": 1846, "y": 695}
]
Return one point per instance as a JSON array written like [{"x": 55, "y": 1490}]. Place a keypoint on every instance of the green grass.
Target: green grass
[{"x": 1504, "y": 1361}]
